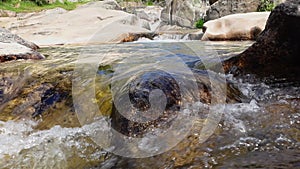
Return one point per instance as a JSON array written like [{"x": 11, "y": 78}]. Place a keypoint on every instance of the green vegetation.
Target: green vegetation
[
  {"x": 199, "y": 24},
  {"x": 149, "y": 3},
  {"x": 36, "y": 5},
  {"x": 266, "y": 5}
]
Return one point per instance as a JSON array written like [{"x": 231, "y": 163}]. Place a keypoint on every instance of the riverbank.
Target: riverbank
[
  {"x": 107, "y": 21},
  {"x": 89, "y": 23},
  {"x": 12, "y": 8}
]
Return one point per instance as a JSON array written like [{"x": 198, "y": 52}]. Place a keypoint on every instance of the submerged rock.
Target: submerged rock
[
  {"x": 277, "y": 50},
  {"x": 236, "y": 27},
  {"x": 13, "y": 47}
]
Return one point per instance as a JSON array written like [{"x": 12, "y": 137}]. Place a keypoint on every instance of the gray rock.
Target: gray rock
[
  {"x": 226, "y": 7},
  {"x": 105, "y": 4},
  {"x": 143, "y": 15},
  {"x": 110, "y": 4},
  {"x": 13, "y": 47},
  {"x": 151, "y": 14},
  {"x": 195, "y": 36},
  {"x": 184, "y": 13},
  {"x": 277, "y": 49},
  {"x": 8, "y": 37}
]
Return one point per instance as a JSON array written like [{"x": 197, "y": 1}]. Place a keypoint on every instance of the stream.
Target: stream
[{"x": 42, "y": 124}]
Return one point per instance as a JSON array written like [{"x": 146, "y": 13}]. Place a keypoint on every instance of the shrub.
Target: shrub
[
  {"x": 41, "y": 2},
  {"x": 149, "y": 3},
  {"x": 199, "y": 24},
  {"x": 266, "y": 5}
]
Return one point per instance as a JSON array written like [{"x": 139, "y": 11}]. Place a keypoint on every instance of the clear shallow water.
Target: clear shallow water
[{"x": 261, "y": 132}]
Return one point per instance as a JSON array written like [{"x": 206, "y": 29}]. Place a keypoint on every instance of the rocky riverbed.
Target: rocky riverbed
[{"x": 178, "y": 103}]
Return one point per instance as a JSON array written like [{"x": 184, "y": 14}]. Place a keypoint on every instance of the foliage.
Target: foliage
[
  {"x": 36, "y": 5},
  {"x": 199, "y": 24},
  {"x": 149, "y": 3},
  {"x": 266, "y": 5},
  {"x": 41, "y": 2}
]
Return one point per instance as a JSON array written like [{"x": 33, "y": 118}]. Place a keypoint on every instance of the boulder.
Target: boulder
[
  {"x": 277, "y": 49},
  {"x": 226, "y": 7},
  {"x": 89, "y": 23},
  {"x": 8, "y": 37},
  {"x": 105, "y": 4},
  {"x": 110, "y": 4},
  {"x": 143, "y": 15},
  {"x": 150, "y": 14},
  {"x": 147, "y": 117},
  {"x": 131, "y": 6},
  {"x": 184, "y": 13},
  {"x": 13, "y": 47},
  {"x": 236, "y": 26}
]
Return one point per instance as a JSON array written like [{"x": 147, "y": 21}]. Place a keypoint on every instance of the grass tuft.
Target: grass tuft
[{"x": 33, "y": 6}]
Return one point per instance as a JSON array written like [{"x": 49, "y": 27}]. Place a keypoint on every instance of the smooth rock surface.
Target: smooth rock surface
[
  {"x": 277, "y": 50},
  {"x": 236, "y": 26},
  {"x": 8, "y": 37},
  {"x": 13, "y": 47},
  {"x": 89, "y": 23}
]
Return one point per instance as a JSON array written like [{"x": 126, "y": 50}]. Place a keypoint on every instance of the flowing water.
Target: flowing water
[{"x": 39, "y": 126}]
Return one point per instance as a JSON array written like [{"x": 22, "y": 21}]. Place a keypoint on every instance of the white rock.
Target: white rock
[{"x": 236, "y": 26}]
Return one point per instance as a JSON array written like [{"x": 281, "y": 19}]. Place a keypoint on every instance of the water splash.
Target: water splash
[{"x": 21, "y": 146}]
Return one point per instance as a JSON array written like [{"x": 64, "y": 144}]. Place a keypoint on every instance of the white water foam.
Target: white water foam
[{"x": 23, "y": 147}]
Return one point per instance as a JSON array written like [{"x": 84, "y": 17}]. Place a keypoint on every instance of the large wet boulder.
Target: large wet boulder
[
  {"x": 183, "y": 13},
  {"x": 236, "y": 26},
  {"x": 226, "y": 7},
  {"x": 277, "y": 49},
  {"x": 148, "y": 113},
  {"x": 13, "y": 47}
]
